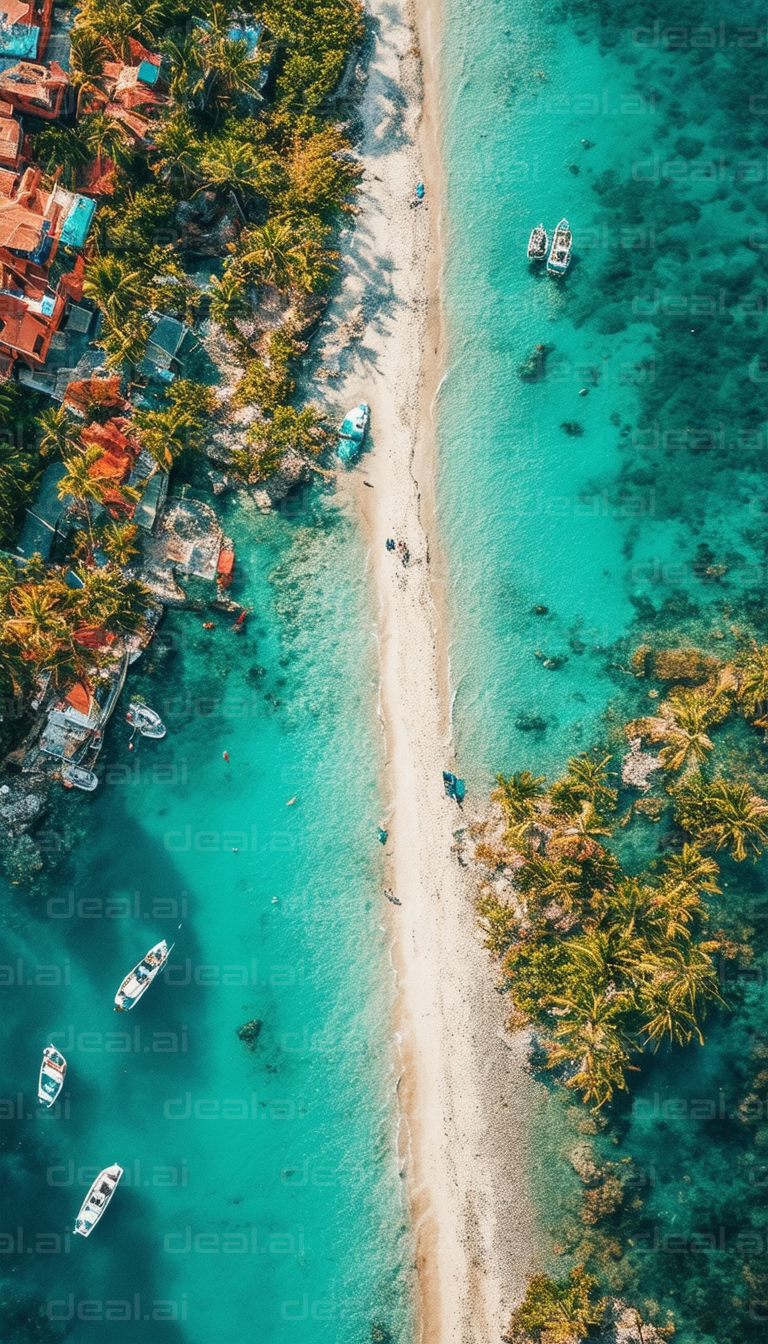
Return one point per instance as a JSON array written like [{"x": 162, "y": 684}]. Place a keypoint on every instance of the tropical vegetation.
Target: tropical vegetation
[{"x": 612, "y": 960}]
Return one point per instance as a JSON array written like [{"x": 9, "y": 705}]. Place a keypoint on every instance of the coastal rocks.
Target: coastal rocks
[
  {"x": 18, "y": 809},
  {"x": 638, "y": 766},
  {"x": 293, "y": 470},
  {"x": 552, "y": 662},
  {"x": 530, "y": 723},
  {"x": 533, "y": 368},
  {"x": 249, "y": 1032},
  {"x": 683, "y": 664}
]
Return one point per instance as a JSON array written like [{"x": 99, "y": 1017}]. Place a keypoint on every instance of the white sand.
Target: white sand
[{"x": 465, "y": 1095}]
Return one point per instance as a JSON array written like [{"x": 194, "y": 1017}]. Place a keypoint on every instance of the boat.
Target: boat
[
  {"x": 52, "y": 1071},
  {"x": 145, "y": 720},
  {"x": 560, "y": 252},
  {"x": 97, "y": 1199},
  {"x": 352, "y": 432},
  {"x": 140, "y": 978},
  {"x": 538, "y": 244},
  {"x": 78, "y": 777}
]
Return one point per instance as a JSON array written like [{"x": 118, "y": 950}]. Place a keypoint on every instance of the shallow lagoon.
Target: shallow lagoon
[{"x": 261, "y": 1199}]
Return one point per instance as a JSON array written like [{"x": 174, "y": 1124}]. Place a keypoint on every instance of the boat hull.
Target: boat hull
[
  {"x": 97, "y": 1200},
  {"x": 137, "y": 982},
  {"x": 352, "y": 432},
  {"x": 52, "y": 1072}
]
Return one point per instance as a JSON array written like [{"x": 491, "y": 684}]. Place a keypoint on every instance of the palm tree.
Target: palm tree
[
  {"x": 274, "y": 254},
  {"x": 86, "y": 489},
  {"x": 228, "y": 298},
  {"x": 551, "y": 881},
  {"x": 684, "y": 980},
  {"x": 111, "y": 600},
  {"x": 726, "y": 814},
  {"x": 113, "y": 286},
  {"x": 178, "y": 151},
  {"x": 591, "y": 1035},
  {"x": 230, "y": 164},
  {"x": 125, "y": 343},
  {"x": 40, "y": 624},
  {"x": 682, "y": 724},
  {"x": 123, "y": 19},
  {"x": 753, "y": 681},
  {"x": 87, "y": 53},
  {"x": 104, "y": 135},
  {"x": 691, "y": 868},
  {"x": 61, "y": 148},
  {"x": 117, "y": 539},
  {"x": 581, "y": 833},
  {"x": 557, "y": 1311},
  {"x": 59, "y": 434},
  {"x": 518, "y": 797},
  {"x": 587, "y": 778}
]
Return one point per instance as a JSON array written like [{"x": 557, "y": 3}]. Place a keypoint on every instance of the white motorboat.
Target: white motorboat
[
  {"x": 538, "y": 244},
  {"x": 352, "y": 431},
  {"x": 78, "y": 777},
  {"x": 97, "y": 1199},
  {"x": 52, "y": 1071},
  {"x": 560, "y": 252},
  {"x": 145, "y": 720},
  {"x": 140, "y": 978}
]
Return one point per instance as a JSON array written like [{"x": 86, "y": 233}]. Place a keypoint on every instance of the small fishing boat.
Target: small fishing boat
[
  {"x": 77, "y": 777},
  {"x": 97, "y": 1199},
  {"x": 352, "y": 432},
  {"x": 560, "y": 252},
  {"x": 538, "y": 244},
  {"x": 145, "y": 720},
  {"x": 52, "y": 1071},
  {"x": 140, "y": 978}
]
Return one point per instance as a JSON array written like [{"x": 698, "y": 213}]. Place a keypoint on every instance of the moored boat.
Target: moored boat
[
  {"x": 78, "y": 777},
  {"x": 52, "y": 1071},
  {"x": 352, "y": 432},
  {"x": 140, "y": 978},
  {"x": 145, "y": 720},
  {"x": 97, "y": 1199},
  {"x": 560, "y": 252},
  {"x": 538, "y": 244}
]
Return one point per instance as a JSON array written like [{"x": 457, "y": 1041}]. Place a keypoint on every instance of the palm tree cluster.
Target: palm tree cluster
[
  {"x": 42, "y": 618},
  {"x": 604, "y": 963},
  {"x": 274, "y": 163},
  {"x": 21, "y": 455}
]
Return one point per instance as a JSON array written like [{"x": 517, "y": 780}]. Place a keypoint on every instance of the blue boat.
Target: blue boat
[
  {"x": 352, "y": 432},
  {"x": 454, "y": 788}
]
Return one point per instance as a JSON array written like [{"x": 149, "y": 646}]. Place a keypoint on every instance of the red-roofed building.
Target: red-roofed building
[
  {"x": 81, "y": 396},
  {"x": 118, "y": 456},
  {"x": 11, "y": 138},
  {"x": 31, "y": 310},
  {"x": 37, "y": 89},
  {"x": 33, "y": 14}
]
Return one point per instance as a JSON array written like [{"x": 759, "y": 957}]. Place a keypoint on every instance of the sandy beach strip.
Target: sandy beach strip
[{"x": 465, "y": 1095}]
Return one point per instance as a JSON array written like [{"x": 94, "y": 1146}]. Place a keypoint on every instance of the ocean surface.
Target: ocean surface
[
  {"x": 623, "y": 490},
  {"x": 261, "y": 1202}
]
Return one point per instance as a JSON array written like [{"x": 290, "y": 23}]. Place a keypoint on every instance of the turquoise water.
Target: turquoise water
[
  {"x": 646, "y": 126},
  {"x": 603, "y": 526},
  {"x": 262, "y": 1200}
]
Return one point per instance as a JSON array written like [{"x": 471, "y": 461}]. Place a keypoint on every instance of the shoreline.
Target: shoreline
[{"x": 464, "y": 1095}]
